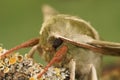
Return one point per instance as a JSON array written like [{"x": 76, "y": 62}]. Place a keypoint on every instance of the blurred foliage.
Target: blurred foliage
[{"x": 21, "y": 20}]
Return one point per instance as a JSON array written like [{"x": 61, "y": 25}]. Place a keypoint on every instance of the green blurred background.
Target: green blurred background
[{"x": 20, "y": 20}]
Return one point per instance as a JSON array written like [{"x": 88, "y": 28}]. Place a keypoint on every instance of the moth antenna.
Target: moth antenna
[
  {"x": 103, "y": 50},
  {"x": 109, "y": 48},
  {"x": 29, "y": 43}
]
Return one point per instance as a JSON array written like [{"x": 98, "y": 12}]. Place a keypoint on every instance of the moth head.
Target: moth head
[
  {"x": 49, "y": 47},
  {"x": 66, "y": 26},
  {"x": 51, "y": 43}
]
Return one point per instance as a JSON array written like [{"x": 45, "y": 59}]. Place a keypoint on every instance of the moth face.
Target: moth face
[
  {"x": 54, "y": 42},
  {"x": 50, "y": 47},
  {"x": 49, "y": 43}
]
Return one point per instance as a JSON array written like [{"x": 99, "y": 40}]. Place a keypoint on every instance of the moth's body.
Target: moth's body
[{"x": 76, "y": 30}]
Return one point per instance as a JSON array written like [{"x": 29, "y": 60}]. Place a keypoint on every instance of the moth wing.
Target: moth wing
[{"x": 102, "y": 47}]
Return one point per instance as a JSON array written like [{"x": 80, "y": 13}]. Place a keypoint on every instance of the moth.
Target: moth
[{"x": 65, "y": 37}]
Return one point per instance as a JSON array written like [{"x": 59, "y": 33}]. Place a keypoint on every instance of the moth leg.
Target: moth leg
[
  {"x": 26, "y": 44},
  {"x": 72, "y": 66},
  {"x": 92, "y": 73},
  {"x": 33, "y": 49},
  {"x": 57, "y": 58}
]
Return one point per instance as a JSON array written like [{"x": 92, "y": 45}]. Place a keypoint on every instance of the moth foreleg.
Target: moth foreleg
[
  {"x": 33, "y": 49},
  {"x": 57, "y": 58}
]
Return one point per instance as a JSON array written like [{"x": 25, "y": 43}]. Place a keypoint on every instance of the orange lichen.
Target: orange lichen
[
  {"x": 31, "y": 78},
  {"x": 12, "y": 60}
]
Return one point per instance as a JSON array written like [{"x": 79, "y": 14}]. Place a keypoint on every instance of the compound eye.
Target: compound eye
[{"x": 57, "y": 42}]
